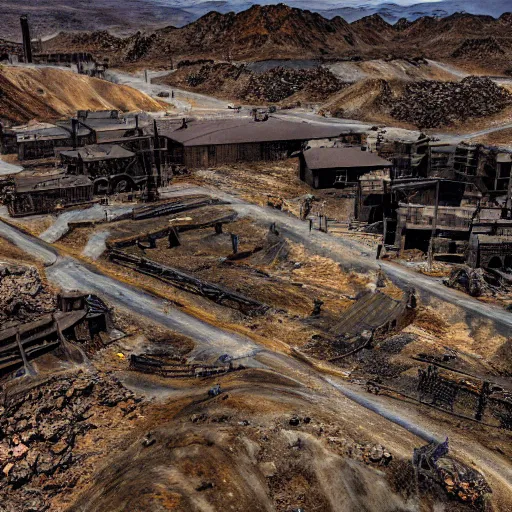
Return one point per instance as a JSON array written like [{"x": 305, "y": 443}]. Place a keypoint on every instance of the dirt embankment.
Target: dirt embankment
[{"x": 46, "y": 94}]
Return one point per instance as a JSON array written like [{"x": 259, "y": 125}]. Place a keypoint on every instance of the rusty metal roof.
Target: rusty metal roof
[
  {"x": 342, "y": 158},
  {"x": 246, "y": 130}
]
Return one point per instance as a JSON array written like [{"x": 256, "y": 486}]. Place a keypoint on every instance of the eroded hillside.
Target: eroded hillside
[{"x": 45, "y": 93}]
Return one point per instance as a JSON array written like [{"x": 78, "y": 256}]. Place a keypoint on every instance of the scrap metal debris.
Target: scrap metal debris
[{"x": 459, "y": 480}]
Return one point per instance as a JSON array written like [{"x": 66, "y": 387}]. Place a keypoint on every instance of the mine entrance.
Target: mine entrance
[{"x": 418, "y": 239}]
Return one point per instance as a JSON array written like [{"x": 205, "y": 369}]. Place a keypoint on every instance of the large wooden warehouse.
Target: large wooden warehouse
[{"x": 201, "y": 144}]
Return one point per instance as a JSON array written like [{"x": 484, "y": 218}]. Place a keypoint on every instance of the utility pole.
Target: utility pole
[{"x": 434, "y": 229}]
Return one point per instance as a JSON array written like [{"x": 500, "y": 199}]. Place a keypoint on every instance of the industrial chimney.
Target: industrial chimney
[{"x": 27, "y": 45}]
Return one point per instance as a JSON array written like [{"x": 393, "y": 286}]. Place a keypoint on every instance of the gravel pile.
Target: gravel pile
[
  {"x": 430, "y": 104},
  {"x": 40, "y": 431},
  {"x": 280, "y": 83},
  {"x": 22, "y": 294}
]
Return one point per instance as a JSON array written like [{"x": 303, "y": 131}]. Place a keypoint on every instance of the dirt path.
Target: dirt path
[
  {"x": 70, "y": 274},
  {"x": 95, "y": 213},
  {"x": 184, "y": 101}
]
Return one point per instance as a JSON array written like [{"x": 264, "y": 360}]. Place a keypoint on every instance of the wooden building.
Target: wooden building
[
  {"x": 330, "y": 167},
  {"x": 111, "y": 167},
  {"x": 41, "y": 142},
  {"x": 202, "y": 144},
  {"x": 34, "y": 195}
]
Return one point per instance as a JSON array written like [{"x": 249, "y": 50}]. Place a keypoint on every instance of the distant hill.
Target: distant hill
[{"x": 45, "y": 94}]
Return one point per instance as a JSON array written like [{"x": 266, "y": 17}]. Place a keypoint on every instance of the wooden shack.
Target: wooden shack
[
  {"x": 330, "y": 167},
  {"x": 34, "y": 195}
]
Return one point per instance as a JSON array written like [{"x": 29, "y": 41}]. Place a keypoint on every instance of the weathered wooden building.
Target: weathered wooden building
[
  {"x": 111, "y": 167},
  {"x": 202, "y": 144},
  {"x": 438, "y": 209},
  {"x": 38, "y": 141},
  {"x": 41, "y": 142},
  {"x": 35, "y": 194},
  {"x": 331, "y": 167}
]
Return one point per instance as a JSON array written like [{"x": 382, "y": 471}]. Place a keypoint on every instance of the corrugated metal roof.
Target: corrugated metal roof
[
  {"x": 43, "y": 183},
  {"x": 371, "y": 311},
  {"x": 239, "y": 131},
  {"x": 337, "y": 158}
]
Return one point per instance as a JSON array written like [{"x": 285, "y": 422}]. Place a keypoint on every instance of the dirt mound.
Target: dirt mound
[
  {"x": 478, "y": 48},
  {"x": 366, "y": 100},
  {"x": 248, "y": 450},
  {"x": 46, "y": 94},
  {"x": 432, "y": 104},
  {"x": 23, "y": 296}
]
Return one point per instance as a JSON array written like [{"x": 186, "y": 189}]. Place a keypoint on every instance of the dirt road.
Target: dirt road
[
  {"x": 184, "y": 101},
  {"x": 70, "y": 274}
]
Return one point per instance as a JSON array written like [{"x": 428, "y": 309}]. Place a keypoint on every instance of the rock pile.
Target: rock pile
[
  {"x": 215, "y": 74},
  {"x": 280, "y": 83},
  {"x": 430, "y": 104},
  {"x": 39, "y": 433},
  {"x": 22, "y": 294},
  {"x": 140, "y": 46}
]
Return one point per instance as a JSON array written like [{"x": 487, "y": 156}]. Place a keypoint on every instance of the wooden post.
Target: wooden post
[
  {"x": 234, "y": 243},
  {"x": 28, "y": 368},
  {"x": 174, "y": 237}
]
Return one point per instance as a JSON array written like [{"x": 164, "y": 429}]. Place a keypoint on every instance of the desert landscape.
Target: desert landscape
[{"x": 255, "y": 257}]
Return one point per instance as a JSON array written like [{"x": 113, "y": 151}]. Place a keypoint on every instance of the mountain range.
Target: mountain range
[
  {"x": 352, "y": 10},
  {"x": 128, "y": 16},
  {"x": 279, "y": 31}
]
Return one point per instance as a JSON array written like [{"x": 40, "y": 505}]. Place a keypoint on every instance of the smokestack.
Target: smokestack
[
  {"x": 27, "y": 44},
  {"x": 74, "y": 132}
]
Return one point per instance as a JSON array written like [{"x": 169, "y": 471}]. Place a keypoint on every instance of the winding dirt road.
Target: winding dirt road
[{"x": 397, "y": 426}]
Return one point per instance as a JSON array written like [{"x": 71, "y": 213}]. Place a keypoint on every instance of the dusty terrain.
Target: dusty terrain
[
  {"x": 278, "y": 433},
  {"x": 46, "y": 94}
]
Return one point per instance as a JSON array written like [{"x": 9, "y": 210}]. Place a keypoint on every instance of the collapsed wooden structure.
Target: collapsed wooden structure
[
  {"x": 179, "y": 279},
  {"x": 79, "y": 317}
]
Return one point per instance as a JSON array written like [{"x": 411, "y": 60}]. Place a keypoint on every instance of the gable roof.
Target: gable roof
[
  {"x": 94, "y": 153},
  {"x": 246, "y": 130},
  {"x": 337, "y": 158}
]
